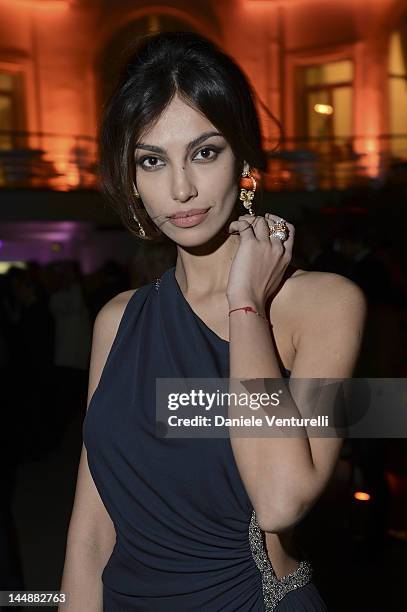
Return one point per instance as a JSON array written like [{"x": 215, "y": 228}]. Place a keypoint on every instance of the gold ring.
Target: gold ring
[{"x": 279, "y": 230}]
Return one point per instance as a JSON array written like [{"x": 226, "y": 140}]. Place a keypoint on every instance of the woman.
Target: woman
[{"x": 199, "y": 523}]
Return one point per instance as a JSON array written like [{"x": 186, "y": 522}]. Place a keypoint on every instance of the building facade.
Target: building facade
[{"x": 333, "y": 72}]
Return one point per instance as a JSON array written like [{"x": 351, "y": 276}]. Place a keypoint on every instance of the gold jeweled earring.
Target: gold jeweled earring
[
  {"x": 133, "y": 213},
  {"x": 247, "y": 186}
]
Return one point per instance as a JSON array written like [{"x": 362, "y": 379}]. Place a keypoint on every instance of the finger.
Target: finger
[
  {"x": 261, "y": 228},
  {"x": 243, "y": 226},
  {"x": 237, "y": 227},
  {"x": 247, "y": 224}
]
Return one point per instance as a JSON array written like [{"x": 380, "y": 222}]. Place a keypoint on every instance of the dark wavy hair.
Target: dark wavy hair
[{"x": 161, "y": 66}]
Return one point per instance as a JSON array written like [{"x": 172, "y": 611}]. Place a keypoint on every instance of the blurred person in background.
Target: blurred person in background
[
  {"x": 111, "y": 279},
  {"x": 73, "y": 336},
  {"x": 316, "y": 245}
]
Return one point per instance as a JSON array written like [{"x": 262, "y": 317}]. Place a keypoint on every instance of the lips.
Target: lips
[
  {"x": 192, "y": 219},
  {"x": 188, "y": 213}
]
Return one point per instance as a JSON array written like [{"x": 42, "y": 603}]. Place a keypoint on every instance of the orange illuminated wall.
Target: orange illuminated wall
[
  {"x": 47, "y": 43},
  {"x": 57, "y": 47}
]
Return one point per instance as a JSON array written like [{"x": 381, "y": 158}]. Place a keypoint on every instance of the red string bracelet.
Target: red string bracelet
[{"x": 249, "y": 309}]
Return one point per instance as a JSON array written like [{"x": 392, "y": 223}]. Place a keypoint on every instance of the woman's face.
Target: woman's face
[{"x": 183, "y": 163}]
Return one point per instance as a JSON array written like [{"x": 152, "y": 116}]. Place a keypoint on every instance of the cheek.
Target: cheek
[
  {"x": 154, "y": 211},
  {"x": 152, "y": 195},
  {"x": 152, "y": 205},
  {"x": 231, "y": 189},
  {"x": 220, "y": 195},
  {"x": 223, "y": 186}
]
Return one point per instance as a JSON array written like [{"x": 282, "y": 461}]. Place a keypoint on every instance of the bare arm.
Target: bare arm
[
  {"x": 91, "y": 533},
  {"x": 285, "y": 476}
]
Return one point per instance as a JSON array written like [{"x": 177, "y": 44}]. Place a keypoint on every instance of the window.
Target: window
[
  {"x": 325, "y": 103},
  {"x": 10, "y": 107},
  {"x": 6, "y": 110},
  {"x": 398, "y": 92}
]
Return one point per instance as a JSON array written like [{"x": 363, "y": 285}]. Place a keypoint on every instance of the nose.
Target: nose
[{"x": 183, "y": 188}]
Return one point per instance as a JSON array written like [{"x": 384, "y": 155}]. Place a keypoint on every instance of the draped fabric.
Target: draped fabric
[{"x": 179, "y": 507}]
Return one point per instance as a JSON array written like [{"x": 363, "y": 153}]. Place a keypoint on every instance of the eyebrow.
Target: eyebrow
[{"x": 190, "y": 145}]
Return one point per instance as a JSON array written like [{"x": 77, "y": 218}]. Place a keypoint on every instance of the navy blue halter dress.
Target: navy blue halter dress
[{"x": 187, "y": 537}]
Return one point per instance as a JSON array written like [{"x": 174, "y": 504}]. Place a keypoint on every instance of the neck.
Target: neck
[{"x": 204, "y": 270}]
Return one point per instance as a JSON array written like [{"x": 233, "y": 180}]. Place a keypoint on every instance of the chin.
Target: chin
[{"x": 197, "y": 237}]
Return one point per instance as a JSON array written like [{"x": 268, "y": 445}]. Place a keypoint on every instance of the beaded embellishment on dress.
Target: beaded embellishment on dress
[
  {"x": 274, "y": 588},
  {"x": 157, "y": 283}
]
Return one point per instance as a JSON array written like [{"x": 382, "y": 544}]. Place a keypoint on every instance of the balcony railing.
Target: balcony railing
[
  {"x": 30, "y": 160},
  {"x": 335, "y": 163}
]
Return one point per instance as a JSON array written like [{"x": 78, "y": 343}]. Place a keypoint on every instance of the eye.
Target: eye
[
  {"x": 210, "y": 149},
  {"x": 149, "y": 158}
]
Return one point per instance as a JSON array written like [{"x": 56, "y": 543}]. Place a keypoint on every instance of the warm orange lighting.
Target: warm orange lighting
[
  {"x": 372, "y": 157},
  {"x": 44, "y": 4},
  {"x": 323, "y": 109},
  {"x": 68, "y": 173},
  {"x": 361, "y": 496},
  {"x": 371, "y": 145}
]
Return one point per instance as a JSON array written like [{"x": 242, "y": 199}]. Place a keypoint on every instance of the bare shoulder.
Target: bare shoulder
[
  {"x": 307, "y": 295},
  {"x": 313, "y": 288},
  {"x": 109, "y": 316},
  {"x": 105, "y": 329}
]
